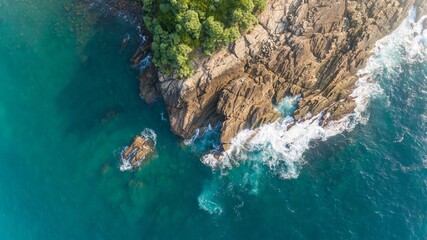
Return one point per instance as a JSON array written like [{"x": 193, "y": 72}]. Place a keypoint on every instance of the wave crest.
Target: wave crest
[{"x": 281, "y": 145}]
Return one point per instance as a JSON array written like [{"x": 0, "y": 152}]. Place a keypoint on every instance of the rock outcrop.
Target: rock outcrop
[
  {"x": 138, "y": 151},
  {"x": 309, "y": 47}
]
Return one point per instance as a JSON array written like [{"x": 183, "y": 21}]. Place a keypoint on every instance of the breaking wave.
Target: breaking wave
[
  {"x": 148, "y": 135},
  {"x": 203, "y": 142},
  {"x": 281, "y": 145}
]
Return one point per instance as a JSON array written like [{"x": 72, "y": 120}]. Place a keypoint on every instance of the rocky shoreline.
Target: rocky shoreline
[{"x": 311, "y": 48}]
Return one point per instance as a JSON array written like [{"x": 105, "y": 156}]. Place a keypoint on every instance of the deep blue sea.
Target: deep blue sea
[{"x": 69, "y": 103}]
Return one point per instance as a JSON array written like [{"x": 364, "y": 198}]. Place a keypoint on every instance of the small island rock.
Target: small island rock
[{"x": 133, "y": 155}]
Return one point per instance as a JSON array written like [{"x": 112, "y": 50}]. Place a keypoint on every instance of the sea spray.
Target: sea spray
[
  {"x": 205, "y": 141},
  {"x": 407, "y": 44},
  {"x": 288, "y": 105},
  {"x": 280, "y": 146}
]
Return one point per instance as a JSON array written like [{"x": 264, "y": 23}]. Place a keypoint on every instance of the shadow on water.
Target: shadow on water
[{"x": 104, "y": 88}]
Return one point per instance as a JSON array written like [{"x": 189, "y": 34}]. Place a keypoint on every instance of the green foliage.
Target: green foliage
[
  {"x": 231, "y": 34},
  {"x": 182, "y": 27},
  {"x": 213, "y": 32},
  {"x": 259, "y": 5},
  {"x": 191, "y": 24}
]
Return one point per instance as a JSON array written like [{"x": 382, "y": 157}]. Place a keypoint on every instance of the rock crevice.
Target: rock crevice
[{"x": 311, "y": 48}]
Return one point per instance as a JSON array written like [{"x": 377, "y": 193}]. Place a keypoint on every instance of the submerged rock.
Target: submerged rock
[
  {"x": 109, "y": 116},
  {"x": 136, "y": 153}
]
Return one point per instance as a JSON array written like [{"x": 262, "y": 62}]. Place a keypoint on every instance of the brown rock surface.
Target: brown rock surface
[
  {"x": 137, "y": 152},
  {"x": 308, "y": 47}
]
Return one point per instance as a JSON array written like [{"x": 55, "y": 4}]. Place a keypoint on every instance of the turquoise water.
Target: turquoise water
[{"x": 60, "y": 77}]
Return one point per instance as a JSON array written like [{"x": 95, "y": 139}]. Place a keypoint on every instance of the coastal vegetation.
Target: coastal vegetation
[{"x": 180, "y": 28}]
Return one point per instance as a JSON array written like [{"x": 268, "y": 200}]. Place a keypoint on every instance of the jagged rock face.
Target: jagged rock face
[
  {"x": 137, "y": 151},
  {"x": 308, "y": 47}
]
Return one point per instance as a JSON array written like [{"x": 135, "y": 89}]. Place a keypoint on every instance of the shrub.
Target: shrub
[{"x": 181, "y": 27}]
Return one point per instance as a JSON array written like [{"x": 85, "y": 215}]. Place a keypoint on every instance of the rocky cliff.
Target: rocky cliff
[{"x": 311, "y": 48}]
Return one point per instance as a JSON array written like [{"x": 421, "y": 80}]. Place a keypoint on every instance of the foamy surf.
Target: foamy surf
[
  {"x": 281, "y": 145},
  {"x": 207, "y": 199},
  {"x": 203, "y": 142},
  {"x": 148, "y": 135},
  {"x": 245, "y": 179},
  {"x": 287, "y": 105}
]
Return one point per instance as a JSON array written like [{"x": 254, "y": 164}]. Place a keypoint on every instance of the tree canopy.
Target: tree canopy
[{"x": 181, "y": 27}]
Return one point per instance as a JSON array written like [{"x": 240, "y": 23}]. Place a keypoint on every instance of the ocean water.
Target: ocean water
[{"x": 69, "y": 103}]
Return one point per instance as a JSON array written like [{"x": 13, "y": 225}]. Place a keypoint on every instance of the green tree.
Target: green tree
[
  {"x": 231, "y": 34},
  {"x": 212, "y": 33},
  {"x": 181, "y": 27},
  {"x": 259, "y": 5},
  {"x": 191, "y": 24},
  {"x": 246, "y": 5}
]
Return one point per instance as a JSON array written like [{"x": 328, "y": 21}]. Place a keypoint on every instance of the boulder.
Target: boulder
[{"x": 137, "y": 152}]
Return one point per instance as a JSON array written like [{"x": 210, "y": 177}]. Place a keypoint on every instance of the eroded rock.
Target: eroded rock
[
  {"x": 136, "y": 153},
  {"x": 313, "y": 48}
]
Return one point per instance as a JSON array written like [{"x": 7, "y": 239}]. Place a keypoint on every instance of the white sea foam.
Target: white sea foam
[
  {"x": 147, "y": 134},
  {"x": 206, "y": 204},
  {"x": 208, "y": 139},
  {"x": 193, "y": 138},
  {"x": 208, "y": 198},
  {"x": 281, "y": 145},
  {"x": 288, "y": 105}
]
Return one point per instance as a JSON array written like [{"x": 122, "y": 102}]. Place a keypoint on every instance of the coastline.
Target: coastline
[
  {"x": 70, "y": 105},
  {"x": 313, "y": 50},
  {"x": 286, "y": 140}
]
